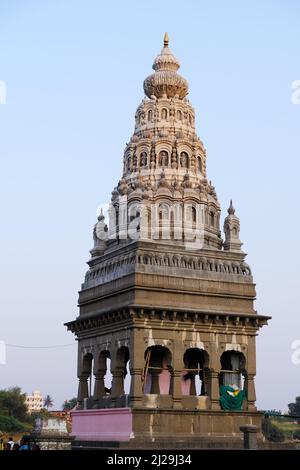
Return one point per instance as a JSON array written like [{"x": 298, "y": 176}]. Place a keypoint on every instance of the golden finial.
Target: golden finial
[{"x": 166, "y": 40}]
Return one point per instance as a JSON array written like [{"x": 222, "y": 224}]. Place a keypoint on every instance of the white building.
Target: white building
[{"x": 34, "y": 402}]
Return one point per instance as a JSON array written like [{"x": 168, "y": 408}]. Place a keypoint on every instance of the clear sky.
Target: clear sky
[{"x": 73, "y": 72}]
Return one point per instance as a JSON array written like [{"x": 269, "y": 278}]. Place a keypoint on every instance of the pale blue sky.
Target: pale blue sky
[{"x": 73, "y": 72}]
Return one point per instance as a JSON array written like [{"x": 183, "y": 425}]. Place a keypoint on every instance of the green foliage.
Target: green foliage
[
  {"x": 48, "y": 402},
  {"x": 296, "y": 434},
  {"x": 43, "y": 414},
  {"x": 12, "y": 403},
  {"x": 271, "y": 431},
  {"x": 69, "y": 404},
  {"x": 294, "y": 408},
  {"x": 273, "y": 412},
  {"x": 11, "y": 424}
]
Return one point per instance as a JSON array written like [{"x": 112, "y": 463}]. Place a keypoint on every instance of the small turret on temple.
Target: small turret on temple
[{"x": 232, "y": 230}]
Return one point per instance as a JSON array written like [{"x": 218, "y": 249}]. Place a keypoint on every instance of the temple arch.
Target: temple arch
[
  {"x": 233, "y": 365},
  {"x": 163, "y": 158},
  {"x": 184, "y": 160},
  {"x": 195, "y": 374},
  {"x": 157, "y": 370},
  {"x": 164, "y": 114},
  {"x": 199, "y": 165}
]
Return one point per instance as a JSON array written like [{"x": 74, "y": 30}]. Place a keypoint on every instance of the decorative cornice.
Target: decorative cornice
[
  {"x": 123, "y": 264},
  {"x": 137, "y": 313}
]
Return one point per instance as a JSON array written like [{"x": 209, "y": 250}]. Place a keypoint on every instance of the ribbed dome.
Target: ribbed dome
[{"x": 165, "y": 81}]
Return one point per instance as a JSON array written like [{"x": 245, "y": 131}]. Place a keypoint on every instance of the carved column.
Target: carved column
[
  {"x": 137, "y": 349},
  {"x": 154, "y": 381},
  {"x": 250, "y": 391},
  {"x": 136, "y": 388},
  {"x": 176, "y": 375},
  {"x": 117, "y": 383},
  {"x": 193, "y": 385},
  {"x": 213, "y": 389},
  {"x": 99, "y": 389},
  {"x": 83, "y": 388}
]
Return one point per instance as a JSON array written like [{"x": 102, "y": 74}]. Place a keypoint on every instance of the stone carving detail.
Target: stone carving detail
[{"x": 121, "y": 265}]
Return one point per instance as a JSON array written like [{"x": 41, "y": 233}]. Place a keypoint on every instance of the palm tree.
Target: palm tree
[{"x": 48, "y": 402}]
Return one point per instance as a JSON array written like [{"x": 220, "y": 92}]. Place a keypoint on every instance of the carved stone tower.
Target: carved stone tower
[{"x": 165, "y": 302}]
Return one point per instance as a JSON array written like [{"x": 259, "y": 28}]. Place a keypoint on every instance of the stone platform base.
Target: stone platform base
[{"x": 143, "y": 428}]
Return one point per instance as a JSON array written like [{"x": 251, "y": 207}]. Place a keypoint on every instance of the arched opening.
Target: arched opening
[
  {"x": 194, "y": 217},
  {"x": 163, "y": 158},
  {"x": 164, "y": 114},
  {"x": 129, "y": 164},
  {"x": 157, "y": 370},
  {"x": 184, "y": 160},
  {"x": 164, "y": 222},
  {"x": 232, "y": 369},
  {"x": 212, "y": 218},
  {"x": 172, "y": 228},
  {"x": 195, "y": 374},
  {"x": 150, "y": 115},
  {"x": 231, "y": 380},
  {"x": 134, "y": 220},
  {"x": 108, "y": 377},
  {"x": 143, "y": 159},
  {"x": 179, "y": 115},
  {"x": 199, "y": 164}
]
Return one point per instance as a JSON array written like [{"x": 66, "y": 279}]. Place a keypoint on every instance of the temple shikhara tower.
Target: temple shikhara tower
[{"x": 167, "y": 326}]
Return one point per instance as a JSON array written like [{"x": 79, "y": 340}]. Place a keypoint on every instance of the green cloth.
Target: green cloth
[{"x": 229, "y": 402}]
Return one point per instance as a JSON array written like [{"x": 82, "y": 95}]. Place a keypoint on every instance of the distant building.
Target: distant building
[{"x": 34, "y": 402}]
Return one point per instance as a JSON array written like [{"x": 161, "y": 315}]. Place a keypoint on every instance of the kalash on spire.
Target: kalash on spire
[{"x": 165, "y": 299}]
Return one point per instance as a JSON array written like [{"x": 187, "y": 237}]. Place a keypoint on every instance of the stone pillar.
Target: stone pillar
[
  {"x": 250, "y": 436},
  {"x": 176, "y": 375},
  {"x": 154, "y": 381},
  {"x": 136, "y": 367},
  {"x": 83, "y": 388},
  {"x": 136, "y": 388},
  {"x": 213, "y": 390},
  {"x": 193, "y": 385},
  {"x": 117, "y": 383},
  {"x": 99, "y": 390},
  {"x": 176, "y": 389},
  {"x": 250, "y": 391}
]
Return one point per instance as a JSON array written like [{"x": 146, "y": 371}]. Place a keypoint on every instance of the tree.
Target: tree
[
  {"x": 69, "y": 404},
  {"x": 296, "y": 435},
  {"x": 12, "y": 403},
  {"x": 294, "y": 408},
  {"x": 48, "y": 402},
  {"x": 271, "y": 431}
]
